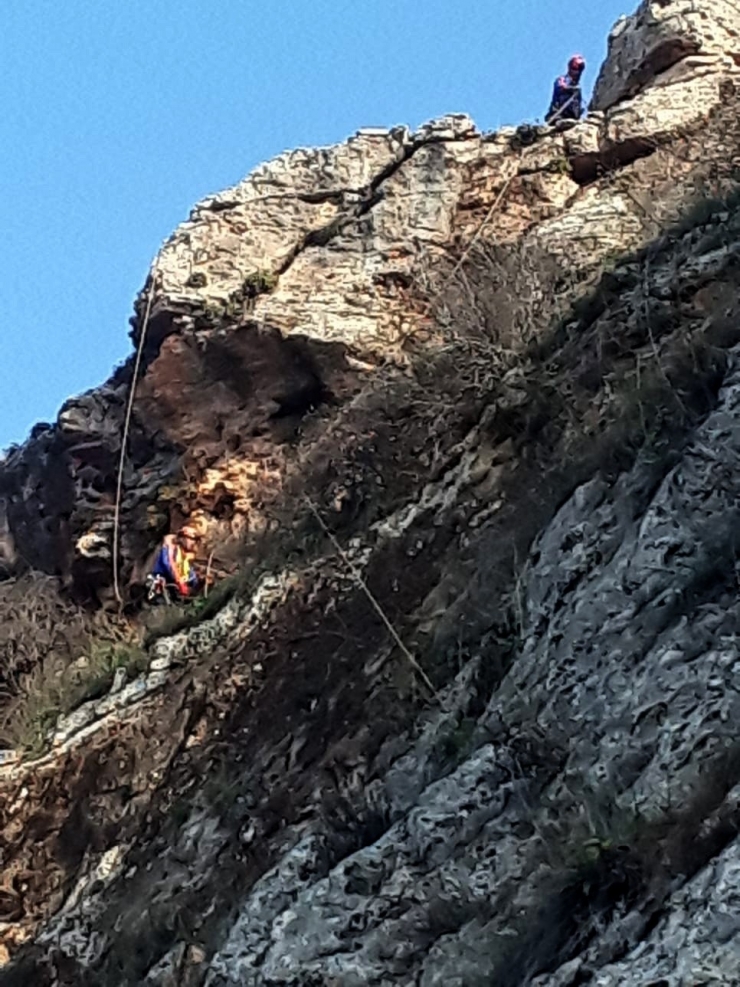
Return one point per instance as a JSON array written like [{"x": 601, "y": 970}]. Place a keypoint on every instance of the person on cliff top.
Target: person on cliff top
[
  {"x": 567, "y": 99},
  {"x": 174, "y": 571}
]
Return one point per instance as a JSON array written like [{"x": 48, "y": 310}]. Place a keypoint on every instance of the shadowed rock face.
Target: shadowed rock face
[
  {"x": 489, "y": 386},
  {"x": 8, "y": 555}
]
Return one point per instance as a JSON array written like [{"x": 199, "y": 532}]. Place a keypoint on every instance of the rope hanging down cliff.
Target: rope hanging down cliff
[
  {"x": 476, "y": 237},
  {"x": 137, "y": 367},
  {"x": 126, "y": 427}
]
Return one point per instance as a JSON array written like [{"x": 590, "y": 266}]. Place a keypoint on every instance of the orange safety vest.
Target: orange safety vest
[{"x": 181, "y": 563}]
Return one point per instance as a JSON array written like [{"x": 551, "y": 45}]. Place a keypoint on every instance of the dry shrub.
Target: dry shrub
[
  {"x": 55, "y": 687},
  {"x": 35, "y": 622},
  {"x": 501, "y": 295},
  {"x": 54, "y": 655},
  {"x": 602, "y": 859},
  {"x": 484, "y": 309}
]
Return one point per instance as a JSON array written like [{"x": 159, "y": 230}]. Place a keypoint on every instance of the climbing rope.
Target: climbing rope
[
  {"x": 126, "y": 427},
  {"x": 357, "y": 576},
  {"x": 478, "y": 233},
  {"x": 129, "y": 409},
  {"x": 486, "y": 220},
  {"x": 466, "y": 253},
  {"x": 556, "y": 116}
]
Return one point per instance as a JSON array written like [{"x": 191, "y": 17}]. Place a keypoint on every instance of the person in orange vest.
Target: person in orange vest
[{"x": 173, "y": 568}]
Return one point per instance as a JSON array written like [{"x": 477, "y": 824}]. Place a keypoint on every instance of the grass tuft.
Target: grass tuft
[{"x": 53, "y": 690}]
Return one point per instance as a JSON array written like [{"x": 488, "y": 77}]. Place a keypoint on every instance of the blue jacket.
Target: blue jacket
[
  {"x": 169, "y": 560},
  {"x": 564, "y": 90}
]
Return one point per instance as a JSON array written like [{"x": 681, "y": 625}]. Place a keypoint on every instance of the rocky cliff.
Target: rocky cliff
[{"x": 458, "y": 416}]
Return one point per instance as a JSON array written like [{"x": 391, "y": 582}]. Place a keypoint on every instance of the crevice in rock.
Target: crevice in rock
[
  {"x": 370, "y": 196},
  {"x": 319, "y": 197},
  {"x": 663, "y": 58},
  {"x": 589, "y": 168},
  {"x": 312, "y": 390}
]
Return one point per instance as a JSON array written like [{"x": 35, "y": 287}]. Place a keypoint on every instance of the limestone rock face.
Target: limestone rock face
[
  {"x": 699, "y": 937},
  {"x": 321, "y": 241},
  {"x": 288, "y": 291},
  {"x": 458, "y": 416},
  {"x": 668, "y": 41},
  {"x": 613, "y": 667}
]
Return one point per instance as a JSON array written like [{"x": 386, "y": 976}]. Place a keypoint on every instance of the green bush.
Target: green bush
[
  {"x": 258, "y": 283},
  {"x": 94, "y": 678},
  {"x": 455, "y": 744}
]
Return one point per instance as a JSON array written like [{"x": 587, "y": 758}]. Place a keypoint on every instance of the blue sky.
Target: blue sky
[{"x": 118, "y": 116}]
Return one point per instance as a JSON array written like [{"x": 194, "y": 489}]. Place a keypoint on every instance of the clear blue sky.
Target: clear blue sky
[{"x": 118, "y": 115}]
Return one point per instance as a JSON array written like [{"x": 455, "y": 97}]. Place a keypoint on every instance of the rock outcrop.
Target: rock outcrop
[
  {"x": 290, "y": 289},
  {"x": 669, "y": 42},
  {"x": 466, "y": 407}
]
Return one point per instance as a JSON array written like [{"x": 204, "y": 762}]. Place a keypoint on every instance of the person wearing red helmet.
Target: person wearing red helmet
[{"x": 567, "y": 99}]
